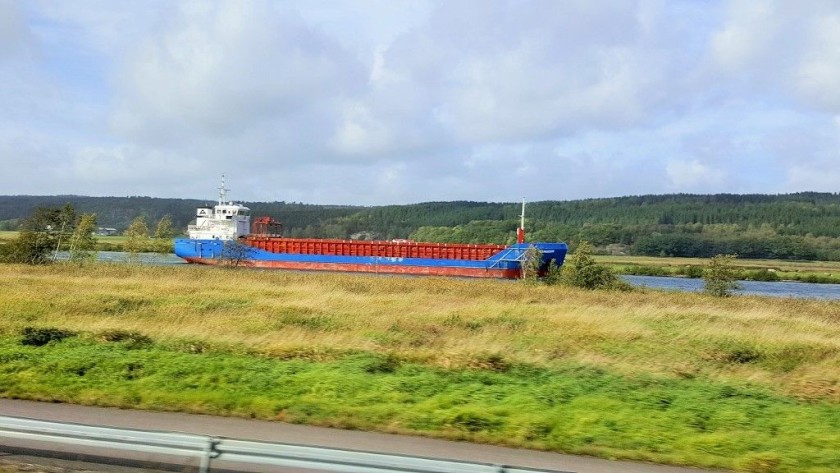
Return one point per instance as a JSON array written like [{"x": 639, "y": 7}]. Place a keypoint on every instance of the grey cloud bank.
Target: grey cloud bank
[{"x": 375, "y": 102}]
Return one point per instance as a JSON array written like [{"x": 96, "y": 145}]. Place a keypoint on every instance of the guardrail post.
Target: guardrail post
[{"x": 209, "y": 453}]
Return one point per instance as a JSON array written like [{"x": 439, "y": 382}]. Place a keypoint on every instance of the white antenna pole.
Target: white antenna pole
[
  {"x": 522, "y": 221},
  {"x": 222, "y": 191}
]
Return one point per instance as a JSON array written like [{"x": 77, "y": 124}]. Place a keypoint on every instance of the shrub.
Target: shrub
[
  {"x": 694, "y": 272},
  {"x": 381, "y": 364},
  {"x": 531, "y": 260},
  {"x": 719, "y": 277},
  {"x": 763, "y": 274},
  {"x": 37, "y": 336},
  {"x": 641, "y": 270},
  {"x": 131, "y": 339},
  {"x": 490, "y": 361},
  {"x": 582, "y": 271}
]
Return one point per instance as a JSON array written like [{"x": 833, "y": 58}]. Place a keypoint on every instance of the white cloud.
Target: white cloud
[
  {"x": 14, "y": 33},
  {"x": 694, "y": 176},
  {"x": 382, "y": 102},
  {"x": 223, "y": 68},
  {"x": 502, "y": 72},
  {"x": 818, "y": 74},
  {"x": 749, "y": 35}
]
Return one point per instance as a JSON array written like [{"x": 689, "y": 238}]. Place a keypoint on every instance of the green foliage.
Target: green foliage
[
  {"x": 642, "y": 270},
  {"x": 38, "y": 336},
  {"x": 581, "y": 270},
  {"x": 163, "y": 235},
  {"x": 530, "y": 265},
  {"x": 763, "y": 274},
  {"x": 568, "y": 408},
  {"x": 42, "y": 234},
  {"x": 83, "y": 241},
  {"x": 130, "y": 338},
  {"x": 720, "y": 276},
  {"x": 136, "y": 238},
  {"x": 694, "y": 272},
  {"x": 553, "y": 274}
]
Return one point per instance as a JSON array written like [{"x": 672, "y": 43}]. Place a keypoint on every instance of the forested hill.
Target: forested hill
[{"x": 802, "y": 226}]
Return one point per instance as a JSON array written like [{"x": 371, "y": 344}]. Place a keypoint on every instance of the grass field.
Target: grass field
[
  {"x": 805, "y": 271},
  {"x": 103, "y": 243},
  {"x": 742, "y": 383},
  {"x": 779, "y": 265}
]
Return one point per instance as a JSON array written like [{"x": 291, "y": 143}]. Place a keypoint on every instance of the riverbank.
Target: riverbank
[
  {"x": 489, "y": 361},
  {"x": 819, "y": 272}
]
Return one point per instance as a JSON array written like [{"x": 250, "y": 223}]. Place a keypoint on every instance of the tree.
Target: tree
[
  {"x": 136, "y": 238},
  {"x": 719, "y": 276},
  {"x": 41, "y": 236},
  {"x": 83, "y": 243},
  {"x": 64, "y": 226},
  {"x": 530, "y": 264},
  {"x": 163, "y": 235},
  {"x": 234, "y": 253},
  {"x": 582, "y": 271}
]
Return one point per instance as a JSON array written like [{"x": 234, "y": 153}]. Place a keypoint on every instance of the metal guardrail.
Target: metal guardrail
[{"x": 206, "y": 449}]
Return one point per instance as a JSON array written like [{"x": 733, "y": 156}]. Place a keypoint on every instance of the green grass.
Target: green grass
[
  {"x": 103, "y": 243},
  {"x": 677, "y": 378},
  {"x": 570, "y": 407},
  {"x": 760, "y": 270}
]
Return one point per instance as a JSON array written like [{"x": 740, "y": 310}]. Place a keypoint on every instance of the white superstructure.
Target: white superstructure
[{"x": 225, "y": 221}]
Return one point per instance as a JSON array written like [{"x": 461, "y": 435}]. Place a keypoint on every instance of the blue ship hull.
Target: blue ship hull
[{"x": 507, "y": 263}]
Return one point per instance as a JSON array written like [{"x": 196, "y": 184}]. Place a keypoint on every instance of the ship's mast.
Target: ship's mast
[{"x": 222, "y": 191}]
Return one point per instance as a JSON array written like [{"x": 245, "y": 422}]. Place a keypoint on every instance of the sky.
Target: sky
[{"x": 375, "y": 102}]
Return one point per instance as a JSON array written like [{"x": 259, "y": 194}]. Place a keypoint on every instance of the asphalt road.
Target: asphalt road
[{"x": 324, "y": 437}]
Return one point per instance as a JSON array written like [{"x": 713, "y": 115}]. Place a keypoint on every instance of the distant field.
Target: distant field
[
  {"x": 104, "y": 243},
  {"x": 763, "y": 270},
  {"x": 781, "y": 265},
  {"x": 744, "y": 383}
]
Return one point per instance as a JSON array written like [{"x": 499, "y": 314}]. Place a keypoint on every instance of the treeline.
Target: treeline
[
  {"x": 792, "y": 226},
  {"x": 120, "y": 212}
]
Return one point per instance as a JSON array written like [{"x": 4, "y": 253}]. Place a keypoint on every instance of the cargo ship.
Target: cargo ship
[{"x": 224, "y": 235}]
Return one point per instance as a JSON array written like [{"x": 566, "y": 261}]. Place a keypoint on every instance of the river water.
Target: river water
[{"x": 759, "y": 288}]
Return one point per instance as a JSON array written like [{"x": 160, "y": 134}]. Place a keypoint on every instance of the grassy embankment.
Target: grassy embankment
[
  {"x": 743, "y": 383},
  {"x": 103, "y": 243},
  {"x": 758, "y": 270}
]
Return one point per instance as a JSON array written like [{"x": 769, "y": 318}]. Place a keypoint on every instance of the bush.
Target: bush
[
  {"x": 762, "y": 275},
  {"x": 35, "y": 336},
  {"x": 582, "y": 271},
  {"x": 642, "y": 270},
  {"x": 719, "y": 277},
  {"x": 131, "y": 339},
  {"x": 694, "y": 272}
]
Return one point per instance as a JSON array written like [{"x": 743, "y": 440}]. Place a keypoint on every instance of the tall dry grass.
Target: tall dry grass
[{"x": 791, "y": 346}]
